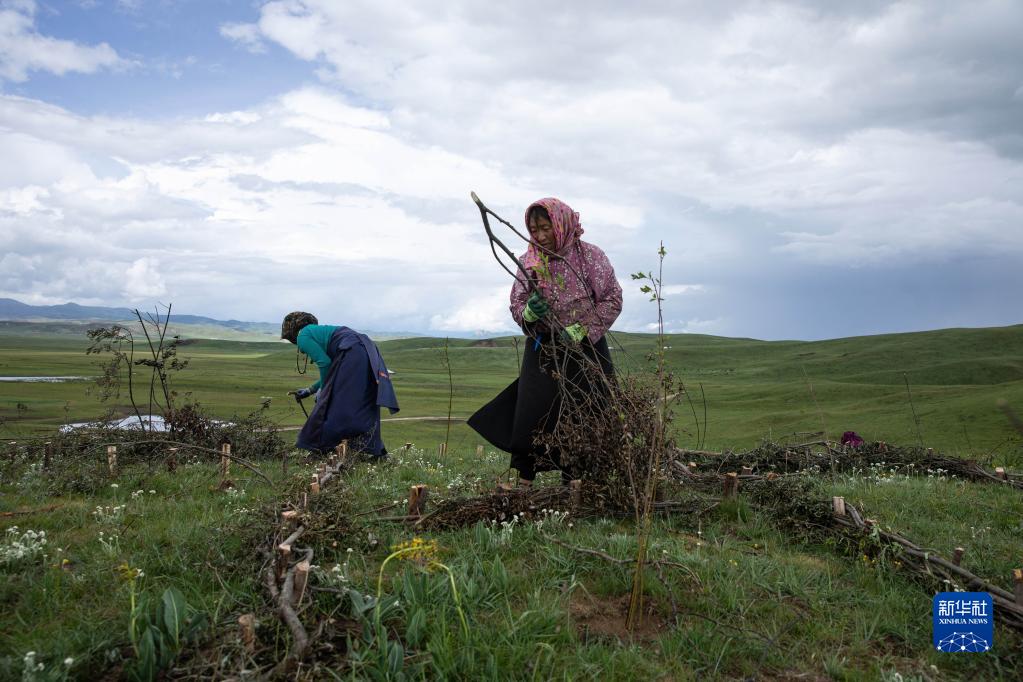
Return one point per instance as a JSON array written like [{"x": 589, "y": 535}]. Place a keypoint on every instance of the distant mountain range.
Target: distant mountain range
[
  {"x": 68, "y": 318},
  {"x": 16, "y": 310}
]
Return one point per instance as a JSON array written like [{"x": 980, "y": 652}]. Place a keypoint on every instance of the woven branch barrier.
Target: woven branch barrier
[
  {"x": 790, "y": 499},
  {"x": 927, "y": 564},
  {"x": 793, "y": 502},
  {"x": 829, "y": 457}
]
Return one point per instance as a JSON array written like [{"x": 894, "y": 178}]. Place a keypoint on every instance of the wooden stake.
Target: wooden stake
[
  {"x": 479, "y": 450},
  {"x": 575, "y": 494},
  {"x": 731, "y": 485},
  {"x": 247, "y": 631},
  {"x": 172, "y": 460},
  {"x": 692, "y": 466},
  {"x": 408, "y": 446},
  {"x": 1017, "y": 585},
  {"x": 747, "y": 471},
  {"x": 305, "y": 500},
  {"x": 930, "y": 452},
  {"x": 112, "y": 459},
  {"x": 838, "y": 504},
  {"x": 957, "y": 555},
  {"x": 417, "y": 500},
  {"x": 290, "y": 516},
  {"x": 225, "y": 462},
  {"x": 344, "y": 448},
  {"x": 301, "y": 578},
  {"x": 12, "y": 446},
  {"x": 47, "y": 454},
  {"x": 314, "y": 487},
  {"x": 283, "y": 557},
  {"x": 1000, "y": 473},
  {"x": 442, "y": 449}
]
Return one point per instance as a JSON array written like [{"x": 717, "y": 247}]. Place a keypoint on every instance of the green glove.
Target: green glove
[
  {"x": 575, "y": 332},
  {"x": 536, "y": 307}
]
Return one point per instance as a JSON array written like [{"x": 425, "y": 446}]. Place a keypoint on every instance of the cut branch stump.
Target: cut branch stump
[
  {"x": 172, "y": 460},
  {"x": 301, "y": 578},
  {"x": 112, "y": 459},
  {"x": 247, "y": 631},
  {"x": 838, "y": 503},
  {"x": 417, "y": 500},
  {"x": 47, "y": 454},
  {"x": 575, "y": 495},
  {"x": 283, "y": 558},
  {"x": 957, "y": 555},
  {"x": 731, "y": 485},
  {"x": 225, "y": 461}
]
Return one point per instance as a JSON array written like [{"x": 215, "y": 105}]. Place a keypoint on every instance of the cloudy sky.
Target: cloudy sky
[{"x": 814, "y": 169}]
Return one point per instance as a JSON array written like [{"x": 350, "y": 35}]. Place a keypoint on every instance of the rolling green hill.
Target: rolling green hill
[{"x": 752, "y": 389}]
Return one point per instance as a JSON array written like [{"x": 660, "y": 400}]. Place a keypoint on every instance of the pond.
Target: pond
[{"x": 45, "y": 380}]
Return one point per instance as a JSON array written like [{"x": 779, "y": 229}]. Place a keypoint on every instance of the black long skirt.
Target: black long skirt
[{"x": 529, "y": 407}]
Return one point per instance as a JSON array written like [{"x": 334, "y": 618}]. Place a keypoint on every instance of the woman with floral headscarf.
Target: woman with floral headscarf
[{"x": 566, "y": 305}]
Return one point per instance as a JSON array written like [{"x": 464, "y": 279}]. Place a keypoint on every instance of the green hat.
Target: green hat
[{"x": 293, "y": 324}]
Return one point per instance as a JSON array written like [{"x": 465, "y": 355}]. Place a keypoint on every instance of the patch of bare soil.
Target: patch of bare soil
[{"x": 598, "y": 617}]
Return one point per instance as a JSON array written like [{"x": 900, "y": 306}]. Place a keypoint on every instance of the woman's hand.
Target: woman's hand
[
  {"x": 536, "y": 307},
  {"x": 575, "y": 332},
  {"x": 303, "y": 393}
]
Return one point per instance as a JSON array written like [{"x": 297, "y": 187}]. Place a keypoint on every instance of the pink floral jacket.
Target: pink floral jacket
[{"x": 580, "y": 287}]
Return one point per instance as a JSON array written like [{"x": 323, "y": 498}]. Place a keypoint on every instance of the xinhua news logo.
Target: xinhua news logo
[{"x": 964, "y": 622}]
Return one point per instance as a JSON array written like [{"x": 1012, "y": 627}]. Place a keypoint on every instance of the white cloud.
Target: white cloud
[
  {"x": 839, "y": 118},
  {"x": 143, "y": 280},
  {"x": 23, "y": 49},
  {"x": 352, "y": 213},
  {"x": 682, "y": 289},
  {"x": 482, "y": 313},
  {"x": 757, "y": 139},
  {"x": 246, "y": 35}
]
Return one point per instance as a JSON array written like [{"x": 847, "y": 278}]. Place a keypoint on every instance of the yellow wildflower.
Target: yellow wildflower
[{"x": 417, "y": 550}]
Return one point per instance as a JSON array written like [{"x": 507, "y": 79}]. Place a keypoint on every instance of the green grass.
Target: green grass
[
  {"x": 754, "y": 600},
  {"x": 752, "y": 389}
]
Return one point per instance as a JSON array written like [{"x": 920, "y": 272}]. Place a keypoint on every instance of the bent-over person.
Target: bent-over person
[{"x": 353, "y": 385}]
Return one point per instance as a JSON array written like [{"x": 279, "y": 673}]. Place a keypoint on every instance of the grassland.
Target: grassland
[
  {"x": 755, "y": 601},
  {"x": 749, "y": 389}
]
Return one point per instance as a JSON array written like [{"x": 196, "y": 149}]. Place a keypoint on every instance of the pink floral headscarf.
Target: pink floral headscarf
[{"x": 567, "y": 229}]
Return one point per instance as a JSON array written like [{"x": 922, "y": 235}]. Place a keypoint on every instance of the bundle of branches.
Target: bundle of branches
[
  {"x": 825, "y": 457},
  {"x": 607, "y": 432},
  {"x": 503, "y": 506}
]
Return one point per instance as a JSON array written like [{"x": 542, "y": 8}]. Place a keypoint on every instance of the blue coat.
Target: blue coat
[{"x": 348, "y": 404}]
